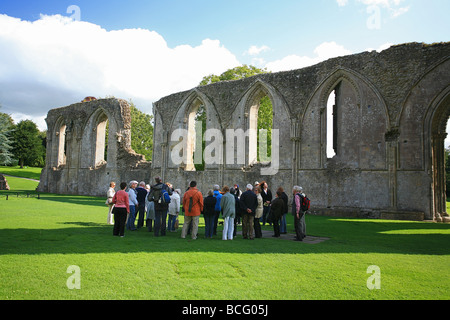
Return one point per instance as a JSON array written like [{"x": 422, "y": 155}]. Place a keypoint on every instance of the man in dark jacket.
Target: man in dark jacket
[
  {"x": 238, "y": 210},
  {"x": 277, "y": 210},
  {"x": 161, "y": 207},
  {"x": 248, "y": 202},
  {"x": 209, "y": 205}
]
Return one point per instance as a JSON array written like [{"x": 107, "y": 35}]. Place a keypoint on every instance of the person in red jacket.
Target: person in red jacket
[
  {"x": 193, "y": 207},
  {"x": 121, "y": 209}
]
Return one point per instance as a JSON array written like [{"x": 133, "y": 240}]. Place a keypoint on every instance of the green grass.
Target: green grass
[
  {"x": 40, "y": 239},
  {"x": 26, "y": 172}
]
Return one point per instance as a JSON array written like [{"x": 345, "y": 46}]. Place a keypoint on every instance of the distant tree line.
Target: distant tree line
[{"x": 22, "y": 143}]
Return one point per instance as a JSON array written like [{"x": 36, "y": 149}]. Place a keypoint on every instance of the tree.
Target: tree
[
  {"x": 27, "y": 144},
  {"x": 6, "y": 126},
  {"x": 141, "y": 132},
  {"x": 265, "y": 111},
  {"x": 237, "y": 73}
]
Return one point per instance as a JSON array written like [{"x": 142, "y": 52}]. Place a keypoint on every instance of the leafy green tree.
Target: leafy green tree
[
  {"x": 141, "y": 132},
  {"x": 6, "y": 126},
  {"x": 27, "y": 144},
  {"x": 265, "y": 121},
  {"x": 237, "y": 73}
]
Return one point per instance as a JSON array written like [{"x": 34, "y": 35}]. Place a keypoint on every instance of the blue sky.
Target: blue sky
[
  {"x": 45, "y": 64},
  {"x": 285, "y": 26}
]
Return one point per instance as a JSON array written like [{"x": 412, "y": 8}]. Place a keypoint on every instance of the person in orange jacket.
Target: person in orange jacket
[{"x": 193, "y": 207}]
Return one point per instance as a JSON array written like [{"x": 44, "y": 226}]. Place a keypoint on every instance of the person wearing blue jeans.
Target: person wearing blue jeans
[
  {"x": 218, "y": 209},
  {"x": 160, "y": 222},
  {"x": 133, "y": 205}
]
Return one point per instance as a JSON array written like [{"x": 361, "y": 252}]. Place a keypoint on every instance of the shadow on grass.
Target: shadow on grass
[
  {"x": 85, "y": 200},
  {"x": 347, "y": 236}
]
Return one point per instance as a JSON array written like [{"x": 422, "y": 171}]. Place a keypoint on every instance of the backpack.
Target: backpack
[
  {"x": 165, "y": 197},
  {"x": 160, "y": 197},
  {"x": 305, "y": 203}
]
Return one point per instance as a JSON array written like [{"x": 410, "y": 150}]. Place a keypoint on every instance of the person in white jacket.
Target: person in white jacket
[
  {"x": 110, "y": 195},
  {"x": 174, "y": 210}
]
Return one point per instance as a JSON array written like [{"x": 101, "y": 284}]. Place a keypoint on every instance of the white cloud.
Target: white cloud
[
  {"x": 393, "y": 6},
  {"x": 56, "y": 61},
  {"x": 342, "y": 3},
  {"x": 323, "y": 52},
  {"x": 398, "y": 12},
  {"x": 254, "y": 50}
]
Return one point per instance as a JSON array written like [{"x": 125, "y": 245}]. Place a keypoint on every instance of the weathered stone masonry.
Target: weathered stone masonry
[{"x": 390, "y": 125}]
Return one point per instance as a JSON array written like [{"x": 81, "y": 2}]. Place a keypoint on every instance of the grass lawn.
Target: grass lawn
[
  {"x": 26, "y": 172},
  {"x": 41, "y": 238}
]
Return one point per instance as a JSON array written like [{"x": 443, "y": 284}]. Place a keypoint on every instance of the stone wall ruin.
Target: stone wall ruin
[{"x": 389, "y": 126}]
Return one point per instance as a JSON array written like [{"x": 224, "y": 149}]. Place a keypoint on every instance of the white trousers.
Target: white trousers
[
  {"x": 110, "y": 214},
  {"x": 228, "y": 229}
]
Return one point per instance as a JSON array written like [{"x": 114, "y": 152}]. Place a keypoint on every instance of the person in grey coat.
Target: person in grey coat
[{"x": 228, "y": 205}]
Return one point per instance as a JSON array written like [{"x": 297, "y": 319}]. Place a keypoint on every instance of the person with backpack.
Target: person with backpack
[
  {"x": 218, "y": 209},
  {"x": 160, "y": 195},
  {"x": 193, "y": 207},
  {"x": 300, "y": 205}
]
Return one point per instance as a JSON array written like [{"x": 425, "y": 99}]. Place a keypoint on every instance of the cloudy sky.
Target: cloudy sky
[{"x": 55, "y": 53}]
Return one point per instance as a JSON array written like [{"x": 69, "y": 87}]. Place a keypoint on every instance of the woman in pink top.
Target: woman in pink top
[{"x": 121, "y": 209}]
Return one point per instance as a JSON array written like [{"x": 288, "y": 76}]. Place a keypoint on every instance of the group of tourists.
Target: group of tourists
[{"x": 159, "y": 206}]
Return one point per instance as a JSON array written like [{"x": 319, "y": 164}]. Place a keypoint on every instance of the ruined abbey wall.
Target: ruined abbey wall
[{"x": 390, "y": 116}]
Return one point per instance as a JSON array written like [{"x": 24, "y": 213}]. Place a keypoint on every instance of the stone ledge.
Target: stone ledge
[
  {"x": 402, "y": 215},
  {"x": 368, "y": 214}
]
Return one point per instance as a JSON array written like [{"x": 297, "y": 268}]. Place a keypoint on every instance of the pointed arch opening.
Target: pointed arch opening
[
  {"x": 332, "y": 125},
  {"x": 340, "y": 116},
  {"x": 196, "y": 122},
  {"x": 61, "y": 149},
  {"x": 260, "y": 127},
  {"x": 94, "y": 146},
  {"x": 101, "y": 144},
  {"x": 439, "y": 134}
]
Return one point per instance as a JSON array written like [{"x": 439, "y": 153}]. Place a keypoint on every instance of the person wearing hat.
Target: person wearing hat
[{"x": 133, "y": 205}]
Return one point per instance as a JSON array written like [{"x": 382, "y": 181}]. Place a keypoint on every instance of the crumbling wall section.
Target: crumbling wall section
[{"x": 80, "y": 159}]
